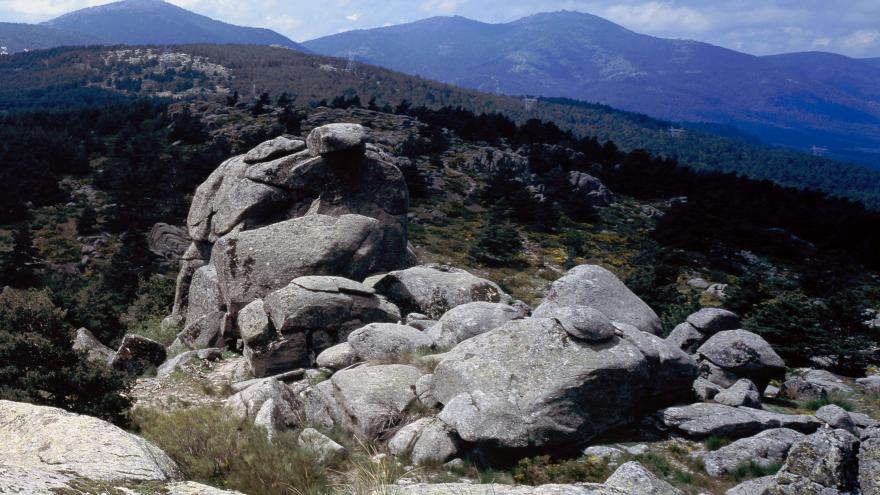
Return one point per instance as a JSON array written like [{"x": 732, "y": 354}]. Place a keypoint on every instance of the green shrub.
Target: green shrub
[
  {"x": 714, "y": 443},
  {"x": 40, "y": 366},
  {"x": 144, "y": 316},
  {"x": 497, "y": 243},
  {"x": 542, "y": 470},
  {"x": 212, "y": 447},
  {"x": 753, "y": 470},
  {"x": 816, "y": 404}
]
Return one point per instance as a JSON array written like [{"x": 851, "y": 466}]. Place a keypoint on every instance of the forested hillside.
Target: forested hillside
[
  {"x": 244, "y": 72},
  {"x": 99, "y": 178}
]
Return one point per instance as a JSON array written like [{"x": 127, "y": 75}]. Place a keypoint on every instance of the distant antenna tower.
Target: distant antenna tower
[
  {"x": 676, "y": 132},
  {"x": 529, "y": 104},
  {"x": 819, "y": 150},
  {"x": 255, "y": 91},
  {"x": 351, "y": 63}
]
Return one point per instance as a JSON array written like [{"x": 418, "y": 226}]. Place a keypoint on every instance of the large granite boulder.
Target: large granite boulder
[
  {"x": 48, "y": 445},
  {"x": 596, "y": 287},
  {"x": 86, "y": 342},
  {"x": 742, "y": 393},
  {"x": 530, "y": 384},
  {"x": 306, "y": 317},
  {"x": 581, "y": 322},
  {"x": 590, "y": 189},
  {"x": 632, "y": 478},
  {"x": 337, "y": 138},
  {"x": 427, "y": 440},
  {"x": 387, "y": 341},
  {"x": 252, "y": 263},
  {"x": 764, "y": 449},
  {"x": 812, "y": 384},
  {"x": 435, "y": 289},
  {"x": 274, "y": 148},
  {"x": 374, "y": 398},
  {"x": 168, "y": 241},
  {"x": 743, "y": 354},
  {"x": 701, "y": 325},
  {"x": 268, "y": 398},
  {"x": 137, "y": 354},
  {"x": 469, "y": 320},
  {"x": 822, "y": 463},
  {"x": 869, "y": 462}
]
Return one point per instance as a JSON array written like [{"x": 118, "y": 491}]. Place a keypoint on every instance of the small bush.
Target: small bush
[
  {"x": 212, "y": 447},
  {"x": 816, "y": 404},
  {"x": 753, "y": 470},
  {"x": 542, "y": 470},
  {"x": 144, "y": 316},
  {"x": 714, "y": 443}
]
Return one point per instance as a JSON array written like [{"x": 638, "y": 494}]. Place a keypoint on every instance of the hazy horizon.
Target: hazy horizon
[{"x": 751, "y": 26}]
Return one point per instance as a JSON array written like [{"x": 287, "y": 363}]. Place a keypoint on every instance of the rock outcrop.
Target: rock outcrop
[
  {"x": 293, "y": 325},
  {"x": 328, "y": 205}
]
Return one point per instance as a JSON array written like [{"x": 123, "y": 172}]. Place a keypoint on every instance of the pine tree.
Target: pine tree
[
  {"x": 498, "y": 243},
  {"x": 87, "y": 222}
]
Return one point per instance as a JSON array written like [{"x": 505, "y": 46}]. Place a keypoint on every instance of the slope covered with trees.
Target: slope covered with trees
[{"x": 72, "y": 75}]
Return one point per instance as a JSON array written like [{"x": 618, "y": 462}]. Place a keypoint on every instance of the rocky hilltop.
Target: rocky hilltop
[{"x": 300, "y": 293}]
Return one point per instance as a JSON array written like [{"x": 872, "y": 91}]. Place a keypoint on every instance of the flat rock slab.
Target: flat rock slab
[
  {"x": 50, "y": 440},
  {"x": 707, "y": 419}
]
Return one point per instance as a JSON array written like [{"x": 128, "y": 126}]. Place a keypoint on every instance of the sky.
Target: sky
[{"x": 760, "y": 27}]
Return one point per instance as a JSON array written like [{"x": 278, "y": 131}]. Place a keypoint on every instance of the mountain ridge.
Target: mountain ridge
[
  {"x": 584, "y": 57},
  {"x": 147, "y": 22},
  {"x": 17, "y": 37}
]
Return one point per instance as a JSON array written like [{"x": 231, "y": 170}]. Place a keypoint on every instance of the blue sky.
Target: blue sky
[{"x": 851, "y": 27}]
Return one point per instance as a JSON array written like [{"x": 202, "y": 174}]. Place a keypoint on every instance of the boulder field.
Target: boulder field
[{"x": 299, "y": 262}]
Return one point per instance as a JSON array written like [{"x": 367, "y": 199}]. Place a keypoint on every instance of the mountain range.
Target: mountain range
[
  {"x": 20, "y": 37},
  {"x": 135, "y": 22},
  {"x": 818, "y": 102},
  {"x": 796, "y": 100}
]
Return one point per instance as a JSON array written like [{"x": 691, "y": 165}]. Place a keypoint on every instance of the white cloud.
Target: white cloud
[
  {"x": 862, "y": 39},
  {"x": 441, "y": 6},
  {"x": 353, "y": 17},
  {"x": 658, "y": 16}
]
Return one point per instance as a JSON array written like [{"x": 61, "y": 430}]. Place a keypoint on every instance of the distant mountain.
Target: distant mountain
[
  {"x": 873, "y": 61},
  {"x": 144, "y": 22},
  {"x": 21, "y": 37},
  {"x": 588, "y": 58}
]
